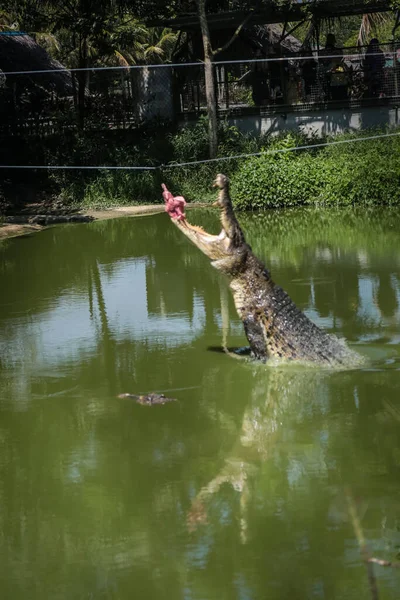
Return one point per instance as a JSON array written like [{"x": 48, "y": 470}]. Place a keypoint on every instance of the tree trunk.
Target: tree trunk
[
  {"x": 210, "y": 80},
  {"x": 209, "y": 72}
]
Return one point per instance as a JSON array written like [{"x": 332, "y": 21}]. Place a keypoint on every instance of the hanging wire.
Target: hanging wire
[
  {"x": 191, "y": 64},
  {"x": 162, "y": 166}
]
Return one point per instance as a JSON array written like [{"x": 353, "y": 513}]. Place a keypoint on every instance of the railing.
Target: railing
[
  {"x": 124, "y": 98},
  {"x": 334, "y": 76}
]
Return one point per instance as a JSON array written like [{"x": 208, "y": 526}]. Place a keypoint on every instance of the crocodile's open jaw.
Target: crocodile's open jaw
[
  {"x": 224, "y": 256},
  {"x": 213, "y": 246},
  {"x": 219, "y": 248}
]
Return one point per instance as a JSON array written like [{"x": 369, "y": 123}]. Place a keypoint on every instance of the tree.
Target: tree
[
  {"x": 85, "y": 33},
  {"x": 369, "y": 23},
  {"x": 209, "y": 79},
  {"x": 209, "y": 55}
]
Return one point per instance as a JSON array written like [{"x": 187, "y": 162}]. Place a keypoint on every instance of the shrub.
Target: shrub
[
  {"x": 274, "y": 181},
  {"x": 355, "y": 173},
  {"x": 363, "y": 172}
]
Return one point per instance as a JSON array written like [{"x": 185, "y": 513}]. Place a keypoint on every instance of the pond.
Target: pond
[{"x": 238, "y": 489}]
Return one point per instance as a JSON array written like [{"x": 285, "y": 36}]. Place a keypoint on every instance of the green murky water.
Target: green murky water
[{"x": 236, "y": 491}]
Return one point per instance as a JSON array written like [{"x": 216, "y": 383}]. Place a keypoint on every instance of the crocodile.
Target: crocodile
[
  {"x": 150, "y": 399},
  {"x": 274, "y": 326}
]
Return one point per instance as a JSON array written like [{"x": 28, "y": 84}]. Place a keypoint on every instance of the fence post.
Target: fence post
[
  {"x": 226, "y": 86},
  {"x": 396, "y": 78},
  {"x": 123, "y": 99}
]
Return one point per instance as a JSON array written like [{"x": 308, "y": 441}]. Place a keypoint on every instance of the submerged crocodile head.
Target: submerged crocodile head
[
  {"x": 274, "y": 326},
  {"x": 151, "y": 399}
]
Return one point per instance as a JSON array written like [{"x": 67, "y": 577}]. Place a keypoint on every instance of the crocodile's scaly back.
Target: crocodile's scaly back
[{"x": 276, "y": 327}]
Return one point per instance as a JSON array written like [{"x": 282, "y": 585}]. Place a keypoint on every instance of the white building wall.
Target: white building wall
[
  {"x": 324, "y": 122},
  {"x": 153, "y": 96}
]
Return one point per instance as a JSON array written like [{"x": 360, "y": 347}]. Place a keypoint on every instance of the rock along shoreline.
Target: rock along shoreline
[{"x": 25, "y": 224}]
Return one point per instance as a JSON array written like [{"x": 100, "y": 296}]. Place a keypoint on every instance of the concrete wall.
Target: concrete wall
[
  {"x": 153, "y": 93},
  {"x": 321, "y": 122}
]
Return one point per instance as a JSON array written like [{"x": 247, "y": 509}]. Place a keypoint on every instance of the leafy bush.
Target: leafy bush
[
  {"x": 355, "y": 173},
  {"x": 271, "y": 181},
  {"x": 149, "y": 147},
  {"x": 123, "y": 187},
  {"x": 191, "y": 144},
  {"x": 363, "y": 172}
]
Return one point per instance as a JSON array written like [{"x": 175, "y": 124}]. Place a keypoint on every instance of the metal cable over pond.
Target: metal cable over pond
[
  {"x": 162, "y": 166},
  {"x": 279, "y": 59}
]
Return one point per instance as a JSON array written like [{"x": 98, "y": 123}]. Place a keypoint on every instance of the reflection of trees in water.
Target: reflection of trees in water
[
  {"x": 324, "y": 258},
  {"x": 386, "y": 295},
  {"x": 106, "y": 344},
  {"x": 282, "y": 233},
  {"x": 318, "y": 256},
  {"x": 61, "y": 258},
  {"x": 305, "y": 435},
  {"x": 333, "y": 263}
]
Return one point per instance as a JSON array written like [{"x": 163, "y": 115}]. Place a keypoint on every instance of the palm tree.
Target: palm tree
[
  {"x": 6, "y": 21},
  {"x": 369, "y": 23},
  {"x": 160, "y": 45}
]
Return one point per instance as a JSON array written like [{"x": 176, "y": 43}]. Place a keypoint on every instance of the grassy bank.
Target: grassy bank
[
  {"x": 148, "y": 147},
  {"x": 356, "y": 173}
]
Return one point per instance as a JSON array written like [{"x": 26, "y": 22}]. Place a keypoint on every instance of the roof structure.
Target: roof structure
[
  {"x": 264, "y": 38},
  {"x": 293, "y": 12},
  {"x": 273, "y": 35},
  {"x": 20, "y": 52}
]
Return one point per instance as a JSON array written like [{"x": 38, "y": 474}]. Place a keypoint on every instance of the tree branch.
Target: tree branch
[{"x": 234, "y": 36}]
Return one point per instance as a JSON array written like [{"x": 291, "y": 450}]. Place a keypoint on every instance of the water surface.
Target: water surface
[{"x": 235, "y": 491}]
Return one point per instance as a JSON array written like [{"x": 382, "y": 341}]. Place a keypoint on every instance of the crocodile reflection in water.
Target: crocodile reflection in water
[
  {"x": 274, "y": 326},
  {"x": 281, "y": 433},
  {"x": 266, "y": 437}
]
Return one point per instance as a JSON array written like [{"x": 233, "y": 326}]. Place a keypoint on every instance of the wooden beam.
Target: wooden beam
[{"x": 293, "y": 13}]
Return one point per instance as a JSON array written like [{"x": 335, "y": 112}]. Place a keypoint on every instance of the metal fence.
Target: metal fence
[
  {"x": 327, "y": 77},
  {"x": 126, "y": 97}
]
